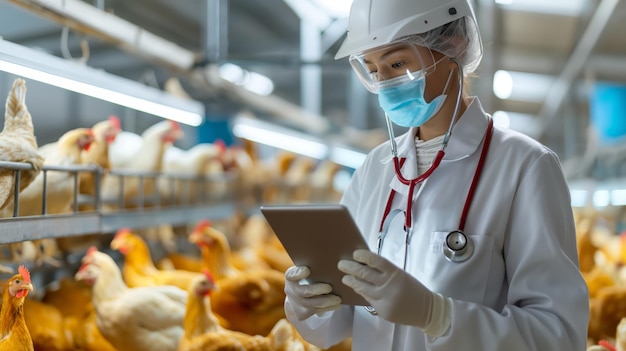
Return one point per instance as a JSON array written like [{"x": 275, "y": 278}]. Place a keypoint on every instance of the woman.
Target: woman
[{"x": 470, "y": 227}]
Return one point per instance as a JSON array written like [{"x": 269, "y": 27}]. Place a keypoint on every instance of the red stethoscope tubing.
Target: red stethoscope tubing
[{"x": 398, "y": 163}]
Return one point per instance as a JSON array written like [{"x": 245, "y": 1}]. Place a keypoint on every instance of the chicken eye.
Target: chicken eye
[{"x": 17, "y": 281}]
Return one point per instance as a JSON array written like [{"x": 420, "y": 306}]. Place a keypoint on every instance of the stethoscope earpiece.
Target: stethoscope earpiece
[{"x": 457, "y": 247}]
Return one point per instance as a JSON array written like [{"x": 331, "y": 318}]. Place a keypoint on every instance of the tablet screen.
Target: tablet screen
[{"x": 318, "y": 236}]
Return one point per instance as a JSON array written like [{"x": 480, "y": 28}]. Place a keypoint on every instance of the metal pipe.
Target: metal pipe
[{"x": 561, "y": 86}]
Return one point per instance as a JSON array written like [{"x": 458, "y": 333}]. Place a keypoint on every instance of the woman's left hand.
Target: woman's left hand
[{"x": 395, "y": 295}]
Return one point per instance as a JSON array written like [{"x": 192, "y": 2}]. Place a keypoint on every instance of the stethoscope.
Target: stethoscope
[{"x": 457, "y": 247}]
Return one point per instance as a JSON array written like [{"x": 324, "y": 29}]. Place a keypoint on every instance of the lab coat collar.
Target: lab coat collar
[{"x": 467, "y": 135}]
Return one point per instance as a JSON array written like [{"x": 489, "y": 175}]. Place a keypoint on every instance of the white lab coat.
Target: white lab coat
[{"x": 520, "y": 290}]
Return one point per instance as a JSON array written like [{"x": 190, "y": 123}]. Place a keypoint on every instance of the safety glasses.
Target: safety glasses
[{"x": 392, "y": 65}]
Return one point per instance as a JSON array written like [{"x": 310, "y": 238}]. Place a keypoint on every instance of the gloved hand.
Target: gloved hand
[
  {"x": 395, "y": 295},
  {"x": 308, "y": 299}
]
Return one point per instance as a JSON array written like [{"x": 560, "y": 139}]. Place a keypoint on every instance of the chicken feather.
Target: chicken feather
[
  {"x": 17, "y": 143},
  {"x": 138, "y": 319}
]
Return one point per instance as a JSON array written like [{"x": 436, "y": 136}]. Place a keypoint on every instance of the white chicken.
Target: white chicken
[
  {"x": 139, "y": 153},
  {"x": 137, "y": 319},
  {"x": 105, "y": 133},
  {"x": 59, "y": 186},
  {"x": 199, "y": 160},
  {"x": 17, "y": 143}
]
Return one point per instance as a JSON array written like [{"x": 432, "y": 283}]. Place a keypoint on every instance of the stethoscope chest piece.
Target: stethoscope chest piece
[{"x": 458, "y": 247}]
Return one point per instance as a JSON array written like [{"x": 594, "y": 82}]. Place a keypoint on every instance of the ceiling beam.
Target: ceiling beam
[{"x": 574, "y": 65}]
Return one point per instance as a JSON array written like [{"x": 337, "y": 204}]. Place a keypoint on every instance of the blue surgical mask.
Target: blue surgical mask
[{"x": 402, "y": 99}]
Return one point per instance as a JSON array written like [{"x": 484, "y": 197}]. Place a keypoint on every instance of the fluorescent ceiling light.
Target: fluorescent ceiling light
[
  {"x": 252, "y": 81},
  {"x": 85, "y": 80},
  {"x": 521, "y": 122},
  {"x": 278, "y": 137},
  {"x": 521, "y": 86},
  {"x": 296, "y": 142},
  {"x": 558, "y": 7},
  {"x": 347, "y": 157}
]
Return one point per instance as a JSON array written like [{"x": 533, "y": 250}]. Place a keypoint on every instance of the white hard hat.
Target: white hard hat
[{"x": 375, "y": 23}]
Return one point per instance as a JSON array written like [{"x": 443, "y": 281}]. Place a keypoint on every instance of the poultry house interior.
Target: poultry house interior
[{"x": 136, "y": 226}]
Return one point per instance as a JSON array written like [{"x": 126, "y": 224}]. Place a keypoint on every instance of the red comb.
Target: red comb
[
  {"x": 208, "y": 275},
  {"x": 115, "y": 121},
  {"x": 23, "y": 271},
  {"x": 122, "y": 231},
  {"x": 205, "y": 223},
  {"x": 606, "y": 345},
  {"x": 221, "y": 145},
  {"x": 174, "y": 125},
  {"x": 92, "y": 250}
]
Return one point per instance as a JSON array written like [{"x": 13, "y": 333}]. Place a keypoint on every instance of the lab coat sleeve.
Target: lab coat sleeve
[{"x": 547, "y": 305}]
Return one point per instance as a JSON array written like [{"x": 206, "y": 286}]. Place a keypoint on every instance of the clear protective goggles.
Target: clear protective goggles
[{"x": 392, "y": 64}]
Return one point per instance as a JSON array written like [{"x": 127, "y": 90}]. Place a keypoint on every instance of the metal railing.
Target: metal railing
[{"x": 185, "y": 198}]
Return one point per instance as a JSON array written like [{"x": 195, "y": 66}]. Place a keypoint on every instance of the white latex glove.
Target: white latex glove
[
  {"x": 395, "y": 295},
  {"x": 308, "y": 299}
]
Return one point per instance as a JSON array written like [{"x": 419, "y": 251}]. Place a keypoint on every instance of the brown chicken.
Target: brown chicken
[
  {"x": 139, "y": 270},
  {"x": 251, "y": 301},
  {"x": 14, "y": 335},
  {"x": 73, "y": 300},
  {"x": 257, "y": 239},
  {"x": 204, "y": 333},
  {"x": 132, "y": 319},
  {"x": 17, "y": 143},
  {"x": 47, "y": 326}
]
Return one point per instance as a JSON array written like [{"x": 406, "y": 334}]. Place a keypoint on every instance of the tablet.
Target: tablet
[{"x": 318, "y": 236}]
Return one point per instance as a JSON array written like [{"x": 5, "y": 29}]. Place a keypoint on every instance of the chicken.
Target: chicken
[
  {"x": 14, "y": 335},
  {"x": 250, "y": 301},
  {"x": 47, "y": 326},
  {"x": 17, "y": 143},
  {"x": 204, "y": 333},
  {"x": 132, "y": 319},
  {"x": 297, "y": 179},
  {"x": 98, "y": 154},
  {"x": 322, "y": 187},
  {"x": 60, "y": 184},
  {"x": 199, "y": 160},
  {"x": 139, "y": 153},
  {"x": 176, "y": 260},
  {"x": 259, "y": 240},
  {"x": 139, "y": 270},
  {"x": 251, "y": 175},
  {"x": 79, "y": 315}
]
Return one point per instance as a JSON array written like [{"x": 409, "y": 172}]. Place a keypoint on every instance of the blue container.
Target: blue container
[
  {"x": 215, "y": 128},
  {"x": 608, "y": 112}
]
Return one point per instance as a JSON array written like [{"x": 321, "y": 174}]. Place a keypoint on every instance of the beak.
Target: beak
[
  {"x": 194, "y": 237},
  {"x": 115, "y": 244},
  {"x": 27, "y": 286},
  {"x": 198, "y": 239}
]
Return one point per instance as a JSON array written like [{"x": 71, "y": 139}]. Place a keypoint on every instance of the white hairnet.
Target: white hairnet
[{"x": 458, "y": 39}]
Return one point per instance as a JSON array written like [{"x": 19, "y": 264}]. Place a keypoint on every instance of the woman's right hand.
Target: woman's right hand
[{"x": 308, "y": 299}]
